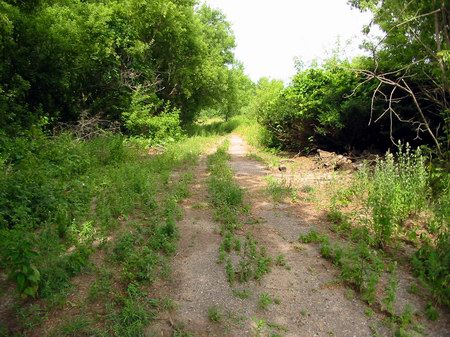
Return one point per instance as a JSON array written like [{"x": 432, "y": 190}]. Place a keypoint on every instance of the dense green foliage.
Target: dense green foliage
[
  {"x": 319, "y": 107},
  {"x": 59, "y": 193},
  {"x": 126, "y": 60}
]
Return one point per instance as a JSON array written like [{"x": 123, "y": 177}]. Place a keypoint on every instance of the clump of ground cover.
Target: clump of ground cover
[{"x": 252, "y": 260}]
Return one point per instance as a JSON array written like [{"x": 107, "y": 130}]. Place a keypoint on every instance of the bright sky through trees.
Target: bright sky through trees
[{"x": 269, "y": 34}]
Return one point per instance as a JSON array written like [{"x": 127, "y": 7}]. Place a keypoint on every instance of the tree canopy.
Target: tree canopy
[{"x": 65, "y": 59}]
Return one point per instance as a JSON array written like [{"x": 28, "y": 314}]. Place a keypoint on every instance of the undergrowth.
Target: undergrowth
[
  {"x": 403, "y": 207},
  {"x": 388, "y": 205},
  {"x": 62, "y": 198}
]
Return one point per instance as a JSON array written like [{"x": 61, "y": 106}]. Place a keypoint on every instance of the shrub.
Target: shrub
[
  {"x": 397, "y": 190},
  {"x": 431, "y": 262},
  {"x": 151, "y": 118},
  {"x": 316, "y": 109}
]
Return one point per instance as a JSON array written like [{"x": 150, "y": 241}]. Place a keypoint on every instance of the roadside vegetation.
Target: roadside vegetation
[
  {"x": 391, "y": 218},
  {"x": 65, "y": 202}
]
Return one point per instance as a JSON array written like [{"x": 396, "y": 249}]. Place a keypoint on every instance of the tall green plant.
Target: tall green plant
[{"x": 397, "y": 189}]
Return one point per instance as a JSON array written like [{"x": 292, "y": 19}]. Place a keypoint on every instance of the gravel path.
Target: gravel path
[{"x": 310, "y": 301}]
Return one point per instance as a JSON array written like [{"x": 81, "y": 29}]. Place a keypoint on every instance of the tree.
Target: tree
[
  {"x": 411, "y": 65},
  {"x": 238, "y": 92},
  {"x": 68, "y": 58}
]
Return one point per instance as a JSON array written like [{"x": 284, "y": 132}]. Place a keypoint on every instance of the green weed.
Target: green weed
[
  {"x": 264, "y": 301},
  {"x": 179, "y": 331},
  {"x": 397, "y": 189},
  {"x": 313, "y": 237},
  {"x": 77, "y": 326},
  {"x": 101, "y": 287},
  {"x": 390, "y": 293},
  {"x": 242, "y": 294},
  {"x": 280, "y": 260},
  {"x": 431, "y": 312},
  {"x": 279, "y": 190},
  {"x": 214, "y": 314},
  {"x": 227, "y": 200},
  {"x": 229, "y": 270},
  {"x": 360, "y": 265}
]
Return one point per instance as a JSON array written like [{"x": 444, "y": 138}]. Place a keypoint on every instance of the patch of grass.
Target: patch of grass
[
  {"x": 413, "y": 289},
  {"x": 242, "y": 294},
  {"x": 279, "y": 190},
  {"x": 313, "y": 237},
  {"x": 200, "y": 205},
  {"x": 304, "y": 312},
  {"x": 167, "y": 304},
  {"x": 77, "y": 326},
  {"x": 230, "y": 271},
  {"x": 255, "y": 157},
  {"x": 264, "y": 301},
  {"x": 101, "y": 287},
  {"x": 180, "y": 331},
  {"x": 280, "y": 260},
  {"x": 131, "y": 313},
  {"x": 214, "y": 314},
  {"x": 254, "y": 262},
  {"x": 390, "y": 292},
  {"x": 369, "y": 312},
  {"x": 431, "y": 312},
  {"x": 212, "y": 127},
  {"x": 262, "y": 327},
  {"x": 349, "y": 294},
  {"x": 360, "y": 265},
  {"x": 276, "y": 326},
  {"x": 227, "y": 200},
  {"x": 308, "y": 189},
  {"x": 30, "y": 316}
]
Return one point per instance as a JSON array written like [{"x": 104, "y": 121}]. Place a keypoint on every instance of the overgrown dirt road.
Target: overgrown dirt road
[{"x": 304, "y": 297}]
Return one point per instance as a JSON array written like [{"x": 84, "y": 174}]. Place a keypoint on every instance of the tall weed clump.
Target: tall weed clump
[
  {"x": 431, "y": 263},
  {"x": 397, "y": 190}
]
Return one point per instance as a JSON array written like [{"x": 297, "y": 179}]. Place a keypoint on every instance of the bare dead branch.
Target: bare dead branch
[{"x": 399, "y": 83}]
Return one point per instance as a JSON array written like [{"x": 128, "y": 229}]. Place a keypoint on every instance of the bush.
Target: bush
[
  {"x": 397, "y": 190},
  {"x": 432, "y": 261},
  {"x": 316, "y": 109},
  {"x": 151, "y": 118}
]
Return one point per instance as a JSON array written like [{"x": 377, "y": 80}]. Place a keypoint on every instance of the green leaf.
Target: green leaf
[
  {"x": 20, "y": 280},
  {"x": 30, "y": 291}
]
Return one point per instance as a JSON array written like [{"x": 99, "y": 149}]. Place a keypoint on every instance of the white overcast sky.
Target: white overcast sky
[{"x": 269, "y": 34}]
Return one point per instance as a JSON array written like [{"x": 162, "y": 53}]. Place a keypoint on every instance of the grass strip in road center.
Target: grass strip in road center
[{"x": 244, "y": 258}]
